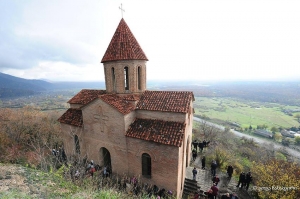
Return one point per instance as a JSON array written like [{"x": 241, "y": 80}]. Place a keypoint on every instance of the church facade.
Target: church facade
[{"x": 134, "y": 131}]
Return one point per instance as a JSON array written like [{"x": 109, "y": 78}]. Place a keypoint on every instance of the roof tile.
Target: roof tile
[
  {"x": 123, "y": 46},
  {"x": 164, "y": 132},
  {"x": 118, "y": 102},
  {"x": 85, "y": 96},
  {"x": 167, "y": 101},
  {"x": 72, "y": 116}
]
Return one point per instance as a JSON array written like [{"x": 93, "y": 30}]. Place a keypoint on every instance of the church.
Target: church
[{"x": 133, "y": 130}]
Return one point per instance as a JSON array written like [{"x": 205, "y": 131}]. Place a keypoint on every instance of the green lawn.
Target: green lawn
[{"x": 245, "y": 112}]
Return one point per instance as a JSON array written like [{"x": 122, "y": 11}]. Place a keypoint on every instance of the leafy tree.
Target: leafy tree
[
  {"x": 274, "y": 129},
  {"x": 277, "y": 137},
  {"x": 259, "y": 126},
  {"x": 277, "y": 179},
  {"x": 298, "y": 117},
  {"x": 250, "y": 127}
]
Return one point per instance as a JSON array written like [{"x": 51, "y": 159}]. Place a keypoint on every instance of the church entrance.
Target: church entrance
[{"x": 105, "y": 160}]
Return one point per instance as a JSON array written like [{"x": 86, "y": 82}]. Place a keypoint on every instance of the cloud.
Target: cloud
[
  {"x": 41, "y": 31},
  {"x": 201, "y": 40}
]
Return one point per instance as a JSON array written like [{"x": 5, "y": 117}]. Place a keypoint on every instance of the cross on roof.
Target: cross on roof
[{"x": 122, "y": 10}]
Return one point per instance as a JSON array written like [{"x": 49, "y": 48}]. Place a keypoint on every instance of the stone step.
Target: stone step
[{"x": 190, "y": 186}]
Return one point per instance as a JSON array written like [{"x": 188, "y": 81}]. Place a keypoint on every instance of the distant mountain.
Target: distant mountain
[
  {"x": 9, "y": 81},
  {"x": 11, "y": 86}
]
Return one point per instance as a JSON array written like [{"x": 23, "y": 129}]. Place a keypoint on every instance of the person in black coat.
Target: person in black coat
[
  {"x": 229, "y": 171},
  {"x": 242, "y": 179},
  {"x": 213, "y": 167},
  {"x": 200, "y": 145},
  {"x": 194, "y": 153},
  {"x": 195, "y": 144},
  {"x": 203, "y": 162},
  {"x": 248, "y": 180}
]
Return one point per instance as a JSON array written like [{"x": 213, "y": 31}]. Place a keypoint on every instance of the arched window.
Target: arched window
[
  {"x": 139, "y": 78},
  {"x": 77, "y": 146},
  {"x": 146, "y": 165},
  {"x": 126, "y": 78},
  {"x": 113, "y": 78}
]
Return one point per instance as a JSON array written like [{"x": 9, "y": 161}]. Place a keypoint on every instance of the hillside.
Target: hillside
[
  {"x": 11, "y": 86},
  {"x": 14, "y": 87}
]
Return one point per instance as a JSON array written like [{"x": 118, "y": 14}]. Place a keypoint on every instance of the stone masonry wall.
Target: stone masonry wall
[
  {"x": 164, "y": 162},
  {"x": 120, "y": 79},
  {"x": 104, "y": 126}
]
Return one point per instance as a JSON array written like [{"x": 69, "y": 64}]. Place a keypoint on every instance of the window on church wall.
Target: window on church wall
[
  {"x": 113, "y": 78},
  {"x": 146, "y": 165},
  {"x": 139, "y": 78},
  {"x": 77, "y": 146},
  {"x": 126, "y": 78}
]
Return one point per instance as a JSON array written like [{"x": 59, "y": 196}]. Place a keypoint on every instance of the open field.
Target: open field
[{"x": 245, "y": 112}]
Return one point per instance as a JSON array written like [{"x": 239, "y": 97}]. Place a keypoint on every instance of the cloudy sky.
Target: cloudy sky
[{"x": 195, "y": 40}]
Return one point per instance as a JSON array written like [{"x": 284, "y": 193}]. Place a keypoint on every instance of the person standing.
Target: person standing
[
  {"x": 248, "y": 180},
  {"x": 216, "y": 180},
  {"x": 210, "y": 194},
  {"x": 213, "y": 167},
  {"x": 242, "y": 178},
  {"x": 203, "y": 162},
  {"x": 194, "y": 173},
  {"x": 195, "y": 144},
  {"x": 194, "y": 153},
  {"x": 215, "y": 190},
  {"x": 229, "y": 171},
  {"x": 200, "y": 145}
]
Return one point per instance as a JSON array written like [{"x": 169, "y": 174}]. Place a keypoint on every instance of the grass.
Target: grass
[
  {"x": 54, "y": 185},
  {"x": 244, "y": 112}
]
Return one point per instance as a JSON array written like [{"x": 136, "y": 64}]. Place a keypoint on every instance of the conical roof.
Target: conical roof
[{"x": 123, "y": 46}]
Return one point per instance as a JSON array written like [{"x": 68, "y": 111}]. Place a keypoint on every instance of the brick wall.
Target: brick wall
[
  {"x": 119, "y": 76},
  {"x": 105, "y": 127}
]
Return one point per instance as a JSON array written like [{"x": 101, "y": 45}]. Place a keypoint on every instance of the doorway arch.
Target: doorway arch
[{"x": 105, "y": 159}]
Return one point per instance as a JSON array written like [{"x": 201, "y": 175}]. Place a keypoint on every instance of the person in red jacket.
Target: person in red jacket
[
  {"x": 215, "y": 190},
  {"x": 216, "y": 180}
]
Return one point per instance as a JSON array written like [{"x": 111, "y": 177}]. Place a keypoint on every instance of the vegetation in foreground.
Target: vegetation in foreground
[{"x": 27, "y": 136}]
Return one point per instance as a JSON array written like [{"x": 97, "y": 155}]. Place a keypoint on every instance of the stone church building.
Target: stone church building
[{"x": 135, "y": 131}]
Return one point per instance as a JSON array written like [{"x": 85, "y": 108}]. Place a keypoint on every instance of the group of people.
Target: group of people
[
  {"x": 92, "y": 168},
  {"x": 244, "y": 180},
  {"x": 60, "y": 154},
  {"x": 149, "y": 190},
  {"x": 199, "y": 144}
]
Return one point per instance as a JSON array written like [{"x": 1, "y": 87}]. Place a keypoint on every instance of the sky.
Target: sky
[{"x": 183, "y": 39}]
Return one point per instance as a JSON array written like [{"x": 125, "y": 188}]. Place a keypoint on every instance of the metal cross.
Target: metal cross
[{"x": 122, "y": 10}]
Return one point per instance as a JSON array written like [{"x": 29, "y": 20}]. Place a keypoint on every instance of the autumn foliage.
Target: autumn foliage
[
  {"x": 277, "y": 179},
  {"x": 27, "y": 136}
]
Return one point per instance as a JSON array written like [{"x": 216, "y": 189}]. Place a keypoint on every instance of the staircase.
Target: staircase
[{"x": 190, "y": 186}]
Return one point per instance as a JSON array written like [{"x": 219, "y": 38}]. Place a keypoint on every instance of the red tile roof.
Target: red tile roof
[
  {"x": 85, "y": 96},
  {"x": 167, "y": 101},
  {"x": 132, "y": 97},
  {"x": 72, "y": 116},
  {"x": 122, "y": 104},
  {"x": 123, "y": 46},
  {"x": 164, "y": 132}
]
